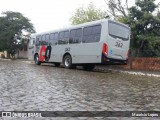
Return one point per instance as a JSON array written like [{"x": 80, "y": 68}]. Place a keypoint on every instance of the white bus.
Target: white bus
[{"x": 99, "y": 42}]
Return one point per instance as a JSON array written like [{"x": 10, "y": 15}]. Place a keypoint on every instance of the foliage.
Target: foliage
[
  {"x": 145, "y": 25},
  {"x": 12, "y": 28},
  {"x": 88, "y": 14},
  {"x": 117, "y": 8},
  {"x": 144, "y": 20}
]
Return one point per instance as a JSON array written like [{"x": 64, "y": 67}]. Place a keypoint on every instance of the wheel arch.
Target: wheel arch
[
  {"x": 65, "y": 55},
  {"x": 35, "y": 55}
]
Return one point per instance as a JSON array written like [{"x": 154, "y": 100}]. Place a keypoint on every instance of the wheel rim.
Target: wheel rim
[{"x": 67, "y": 62}]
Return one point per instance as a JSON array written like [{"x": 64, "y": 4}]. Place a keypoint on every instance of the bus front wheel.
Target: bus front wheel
[
  {"x": 36, "y": 60},
  {"x": 67, "y": 62},
  {"x": 88, "y": 67}
]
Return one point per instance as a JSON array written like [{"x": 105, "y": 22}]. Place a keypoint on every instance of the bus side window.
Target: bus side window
[
  {"x": 56, "y": 38},
  {"x": 33, "y": 41},
  {"x": 40, "y": 38},
  {"x": 47, "y": 38},
  {"x": 66, "y": 37},
  {"x": 63, "y": 37},
  {"x": 91, "y": 34},
  {"x": 87, "y": 35},
  {"x": 75, "y": 36},
  {"x": 72, "y": 35},
  {"x": 60, "y": 38},
  {"x": 37, "y": 40},
  {"x": 51, "y": 37},
  {"x": 43, "y": 38},
  {"x": 96, "y": 32}
]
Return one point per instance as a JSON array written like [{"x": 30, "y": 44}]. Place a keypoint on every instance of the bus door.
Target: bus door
[{"x": 45, "y": 48}]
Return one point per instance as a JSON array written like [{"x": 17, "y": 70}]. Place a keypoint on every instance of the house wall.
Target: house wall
[
  {"x": 4, "y": 53},
  {"x": 22, "y": 54}
]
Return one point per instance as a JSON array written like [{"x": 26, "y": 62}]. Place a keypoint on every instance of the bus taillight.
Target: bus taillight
[{"x": 105, "y": 49}]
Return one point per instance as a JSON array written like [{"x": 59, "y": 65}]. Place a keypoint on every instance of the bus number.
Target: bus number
[
  {"x": 67, "y": 49},
  {"x": 119, "y": 44}
]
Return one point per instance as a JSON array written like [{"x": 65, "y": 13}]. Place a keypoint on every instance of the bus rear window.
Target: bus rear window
[{"x": 117, "y": 30}]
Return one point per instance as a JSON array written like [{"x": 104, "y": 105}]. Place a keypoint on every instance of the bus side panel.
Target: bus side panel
[
  {"x": 80, "y": 53},
  {"x": 57, "y": 53},
  {"x": 86, "y": 53}
]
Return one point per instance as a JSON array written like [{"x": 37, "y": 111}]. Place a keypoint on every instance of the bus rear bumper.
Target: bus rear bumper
[{"x": 112, "y": 61}]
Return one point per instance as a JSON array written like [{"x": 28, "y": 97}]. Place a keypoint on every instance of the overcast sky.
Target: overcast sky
[{"x": 48, "y": 14}]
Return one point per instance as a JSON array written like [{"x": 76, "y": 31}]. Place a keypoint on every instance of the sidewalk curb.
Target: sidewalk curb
[
  {"x": 144, "y": 73},
  {"x": 137, "y": 73}
]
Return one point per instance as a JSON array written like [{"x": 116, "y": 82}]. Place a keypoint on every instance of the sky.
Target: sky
[{"x": 48, "y": 14}]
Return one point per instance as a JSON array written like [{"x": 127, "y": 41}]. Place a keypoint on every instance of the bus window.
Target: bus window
[
  {"x": 75, "y": 36},
  {"x": 43, "y": 37},
  {"x": 66, "y": 34},
  {"x": 118, "y": 31},
  {"x": 37, "y": 40},
  {"x": 96, "y": 32},
  {"x": 87, "y": 35},
  {"x": 79, "y": 32},
  {"x": 40, "y": 38},
  {"x": 51, "y": 36},
  {"x": 47, "y": 38},
  {"x": 56, "y": 38},
  {"x": 33, "y": 41},
  {"x": 43, "y": 40},
  {"x": 63, "y": 37},
  {"x": 91, "y": 34},
  {"x": 96, "y": 29}
]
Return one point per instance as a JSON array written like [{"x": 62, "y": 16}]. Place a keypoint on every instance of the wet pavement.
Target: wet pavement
[{"x": 25, "y": 86}]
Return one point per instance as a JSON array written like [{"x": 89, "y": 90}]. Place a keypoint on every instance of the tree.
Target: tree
[
  {"x": 144, "y": 20},
  {"x": 12, "y": 28},
  {"x": 88, "y": 14},
  {"x": 145, "y": 25},
  {"x": 117, "y": 8}
]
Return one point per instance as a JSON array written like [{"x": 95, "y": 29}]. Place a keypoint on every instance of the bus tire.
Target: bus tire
[
  {"x": 88, "y": 67},
  {"x": 36, "y": 60},
  {"x": 57, "y": 64},
  {"x": 67, "y": 62}
]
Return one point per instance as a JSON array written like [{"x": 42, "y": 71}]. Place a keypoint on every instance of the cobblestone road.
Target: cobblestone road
[{"x": 25, "y": 87}]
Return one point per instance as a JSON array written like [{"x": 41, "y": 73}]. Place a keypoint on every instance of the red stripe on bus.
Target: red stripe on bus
[{"x": 43, "y": 49}]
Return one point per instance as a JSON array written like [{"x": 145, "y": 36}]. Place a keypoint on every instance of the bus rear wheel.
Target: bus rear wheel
[
  {"x": 67, "y": 62},
  {"x": 36, "y": 60},
  {"x": 88, "y": 67}
]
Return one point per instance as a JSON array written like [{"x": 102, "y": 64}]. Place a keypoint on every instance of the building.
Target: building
[{"x": 3, "y": 54}]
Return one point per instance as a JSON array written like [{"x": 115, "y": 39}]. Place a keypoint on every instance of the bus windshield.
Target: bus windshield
[{"x": 117, "y": 30}]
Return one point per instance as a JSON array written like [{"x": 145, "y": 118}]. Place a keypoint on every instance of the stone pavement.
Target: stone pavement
[{"x": 28, "y": 87}]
